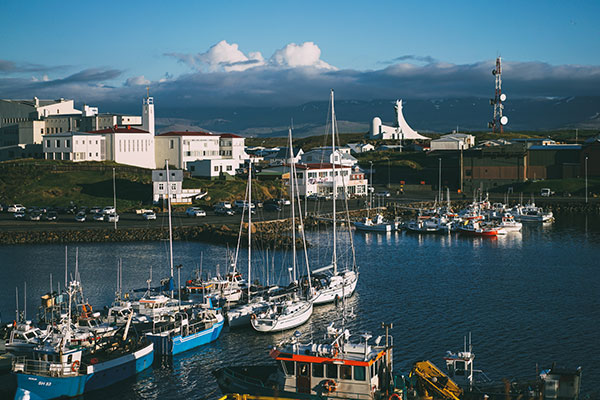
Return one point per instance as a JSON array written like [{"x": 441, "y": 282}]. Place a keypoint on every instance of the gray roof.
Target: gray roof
[{"x": 160, "y": 175}]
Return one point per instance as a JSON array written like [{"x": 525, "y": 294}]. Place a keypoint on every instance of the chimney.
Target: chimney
[{"x": 36, "y": 101}]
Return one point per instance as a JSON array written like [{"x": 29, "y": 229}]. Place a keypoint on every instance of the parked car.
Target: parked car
[
  {"x": 148, "y": 215},
  {"x": 35, "y": 216},
  {"x": 224, "y": 211},
  {"x": 312, "y": 196},
  {"x": 51, "y": 216},
  {"x": 223, "y": 204},
  {"x": 195, "y": 212},
  {"x": 98, "y": 217},
  {"x": 109, "y": 210},
  {"x": 95, "y": 210},
  {"x": 80, "y": 217},
  {"x": 16, "y": 208},
  {"x": 546, "y": 192},
  {"x": 19, "y": 215},
  {"x": 383, "y": 194},
  {"x": 272, "y": 207},
  {"x": 241, "y": 204},
  {"x": 112, "y": 217}
]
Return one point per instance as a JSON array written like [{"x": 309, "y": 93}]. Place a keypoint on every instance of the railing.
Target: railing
[{"x": 45, "y": 368}]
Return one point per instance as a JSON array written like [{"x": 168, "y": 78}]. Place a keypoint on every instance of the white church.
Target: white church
[{"x": 401, "y": 130}]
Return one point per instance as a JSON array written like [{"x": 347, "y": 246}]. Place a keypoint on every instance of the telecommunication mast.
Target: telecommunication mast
[{"x": 497, "y": 124}]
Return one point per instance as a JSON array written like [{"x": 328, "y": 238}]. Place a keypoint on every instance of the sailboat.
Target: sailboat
[
  {"x": 240, "y": 315},
  {"x": 191, "y": 327},
  {"x": 293, "y": 309},
  {"x": 331, "y": 284}
]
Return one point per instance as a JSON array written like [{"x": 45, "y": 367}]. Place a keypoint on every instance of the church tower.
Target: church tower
[{"x": 148, "y": 113}]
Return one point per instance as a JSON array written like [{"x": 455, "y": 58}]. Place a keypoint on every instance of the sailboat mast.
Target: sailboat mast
[
  {"x": 115, "y": 197},
  {"x": 170, "y": 227},
  {"x": 334, "y": 261},
  {"x": 292, "y": 178},
  {"x": 249, "y": 226}
]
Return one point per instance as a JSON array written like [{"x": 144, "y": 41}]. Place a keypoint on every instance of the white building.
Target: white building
[
  {"x": 181, "y": 148},
  {"x": 453, "y": 141},
  {"x": 358, "y": 148},
  {"x": 130, "y": 146},
  {"x": 213, "y": 168},
  {"x": 74, "y": 146},
  {"x": 282, "y": 155},
  {"x": 325, "y": 155},
  {"x": 318, "y": 179},
  {"x": 401, "y": 130}
]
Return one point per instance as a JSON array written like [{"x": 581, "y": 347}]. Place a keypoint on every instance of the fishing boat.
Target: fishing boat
[
  {"x": 424, "y": 224},
  {"x": 476, "y": 228},
  {"x": 531, "y": 213},
  {"x": 341, "y": 366},
  {"x": 294, "y": 308},
  {"x": 376, "y": 224},
  {"x": 60, "y": 368},
  {"x": 509, "y": 224}
]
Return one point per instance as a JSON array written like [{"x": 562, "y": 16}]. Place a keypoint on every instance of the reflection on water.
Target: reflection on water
[{"x": 528, "y": 297}]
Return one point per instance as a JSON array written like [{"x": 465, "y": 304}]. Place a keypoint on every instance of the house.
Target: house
[
  {"x": 325, "y": 155},
  {"x": 358, "y": 148},
  {"x": 213, "y": 168},
  {"x": 178, "y": 194},
  {"x": 400, "y": 131},
  {"x": 453, "y": 141},
  {"x": 318, "y": 178},
  {"x": 282, "y": 156}
]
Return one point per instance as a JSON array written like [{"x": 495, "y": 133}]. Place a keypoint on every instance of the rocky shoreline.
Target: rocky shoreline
[{"x": 273, "y": 234}]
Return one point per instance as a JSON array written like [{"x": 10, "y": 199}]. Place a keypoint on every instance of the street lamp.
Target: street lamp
[
  {"x": 586, "y": 183},
  {"x": 440, "y": 181}
]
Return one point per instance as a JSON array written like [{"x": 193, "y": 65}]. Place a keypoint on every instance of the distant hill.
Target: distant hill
[{"x": 354, "y": 116}]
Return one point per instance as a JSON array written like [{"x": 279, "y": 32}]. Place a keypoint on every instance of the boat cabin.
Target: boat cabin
[
  {"x": 339, "y": 369},
  {"x": 46, "y": 361}
]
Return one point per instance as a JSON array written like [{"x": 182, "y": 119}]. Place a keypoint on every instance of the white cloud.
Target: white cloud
[
  {"x": 307, "y": 54},
  {"x": 137, "y": 81},
  {"x": 227, "y": 57}
]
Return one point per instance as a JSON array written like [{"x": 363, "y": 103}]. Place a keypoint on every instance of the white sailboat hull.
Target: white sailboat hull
[
  {"x": 283, "y": 322},
  {"x": 330, "y": 294}
]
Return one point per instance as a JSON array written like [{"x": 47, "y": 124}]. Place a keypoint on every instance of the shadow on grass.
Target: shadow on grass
[{"x": 126, "y": 190}]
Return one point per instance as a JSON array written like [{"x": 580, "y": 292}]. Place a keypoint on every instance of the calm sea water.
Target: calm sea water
[{"x": 529, "y": 298}]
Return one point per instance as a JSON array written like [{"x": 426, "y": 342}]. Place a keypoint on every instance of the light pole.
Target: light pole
[
  {"x": 371, "y": 188},
  {"x": 440, "y": 181},
  {"x": 586, "y": 183}
]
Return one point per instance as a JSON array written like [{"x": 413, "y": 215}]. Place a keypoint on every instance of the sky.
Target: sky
[{"x": 267, "y": 53}]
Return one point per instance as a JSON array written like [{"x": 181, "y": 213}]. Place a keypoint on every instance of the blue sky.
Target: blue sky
[{"x": 294, "y": 50}]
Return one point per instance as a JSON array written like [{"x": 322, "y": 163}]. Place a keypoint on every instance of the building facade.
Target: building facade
[
  {"x": 318, "y": 179},
  {"x": 74, "y": 146}
]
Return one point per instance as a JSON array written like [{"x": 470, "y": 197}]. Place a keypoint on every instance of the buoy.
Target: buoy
[{"x": 75, "y": 366}]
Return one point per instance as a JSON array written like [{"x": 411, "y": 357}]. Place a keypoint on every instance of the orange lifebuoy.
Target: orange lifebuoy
[
  {"x": 94, "y": 361},
  {"x": 75, "y": 366},
  {"x": 394, "y": 396},
  {"x": 253, "y": 316},
  {"x": 330, "y": 385}
]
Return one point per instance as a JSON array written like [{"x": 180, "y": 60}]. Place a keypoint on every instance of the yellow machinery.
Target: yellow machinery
[{"x": 434, "y": 382}]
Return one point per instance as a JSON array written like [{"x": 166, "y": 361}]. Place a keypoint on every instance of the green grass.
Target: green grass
[{"x": 46, "y": 183}]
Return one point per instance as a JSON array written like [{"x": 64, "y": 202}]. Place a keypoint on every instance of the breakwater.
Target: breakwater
[{"x": 269, "y": 233}]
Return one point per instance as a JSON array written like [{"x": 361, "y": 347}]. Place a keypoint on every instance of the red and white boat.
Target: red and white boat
[{"x": 476, "y": 228}]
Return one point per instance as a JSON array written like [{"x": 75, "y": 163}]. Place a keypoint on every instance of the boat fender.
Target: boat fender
[
  {"x": 330, "y": 385},
  {"x": 337, "y": 300},
  {"x": 94, "y": 361},
  {"x": 253, "y": 316},
  {"x": 75, "y": 366},
  {"x": 336, "y": 349}
]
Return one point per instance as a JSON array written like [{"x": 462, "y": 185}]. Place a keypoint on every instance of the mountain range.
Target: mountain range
[{"x": 434, "y": 116}]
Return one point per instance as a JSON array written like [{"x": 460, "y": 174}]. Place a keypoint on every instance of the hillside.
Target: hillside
[{"x": 58, "y": 183}]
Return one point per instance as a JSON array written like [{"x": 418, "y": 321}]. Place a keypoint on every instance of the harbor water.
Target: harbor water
[{"x": 528, "y": 299}]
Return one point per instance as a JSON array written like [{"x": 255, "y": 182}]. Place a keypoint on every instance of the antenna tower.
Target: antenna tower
[{"x": 497, "y": 124}]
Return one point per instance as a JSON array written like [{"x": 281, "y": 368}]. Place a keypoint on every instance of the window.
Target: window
[
  {"x": 331, "y": 370},
  {"x": 303, "y": 369},
  {"x": 288, "y": 367},
  {"x": 216, "y": 168},
  {"x": 229, "y": 168},
  {"x": 67, "y": 143},
  {"x": 345, "y": 372},
  {"x": 161, "y": 186},
  {"x": 171, "y": 144},
  {"x": 359, "y": 373},
  {"x": 57, "y": 143},
  {"x": 47, "y": 143},
  {"x": 317, "y": 370}
]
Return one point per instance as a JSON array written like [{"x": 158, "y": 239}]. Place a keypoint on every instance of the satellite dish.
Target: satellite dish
[
  {"x": 504, "y": 120},
  {"x": 502, "y": 97}
]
